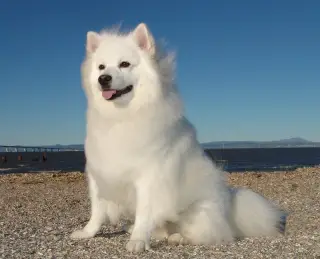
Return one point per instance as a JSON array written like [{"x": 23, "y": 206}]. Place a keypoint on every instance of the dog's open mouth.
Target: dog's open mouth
[{"x": 112, "y": 94}]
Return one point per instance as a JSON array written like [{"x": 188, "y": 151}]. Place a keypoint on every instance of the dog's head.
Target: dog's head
[{"x": 123, "y": 72}]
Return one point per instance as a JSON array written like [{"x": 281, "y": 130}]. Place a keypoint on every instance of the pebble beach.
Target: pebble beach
[{"x": 40, "y": 210}]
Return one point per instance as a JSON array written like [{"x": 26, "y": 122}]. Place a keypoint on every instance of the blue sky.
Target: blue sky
[{"x": 247, "y": 70}]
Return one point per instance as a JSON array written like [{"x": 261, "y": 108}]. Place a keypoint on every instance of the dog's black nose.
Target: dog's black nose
[{"x": 105, "y": 80}]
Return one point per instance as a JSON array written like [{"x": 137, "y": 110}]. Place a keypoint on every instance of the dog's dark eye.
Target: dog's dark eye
[
  {"x": 124, "y": 64},
  {"x": 101, "y": 67}
]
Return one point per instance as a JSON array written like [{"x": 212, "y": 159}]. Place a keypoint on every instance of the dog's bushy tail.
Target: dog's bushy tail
[{"x": 254, "y": 215}]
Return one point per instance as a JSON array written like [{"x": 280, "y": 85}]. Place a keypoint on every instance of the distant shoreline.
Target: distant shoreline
[
  {"x": 295, "y": 142},
  {"x": 18, "y": 149}
]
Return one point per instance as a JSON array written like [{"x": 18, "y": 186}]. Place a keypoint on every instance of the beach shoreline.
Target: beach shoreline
[{"x": 40, "y": 210}]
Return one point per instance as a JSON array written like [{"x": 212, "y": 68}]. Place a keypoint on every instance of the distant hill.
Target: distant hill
[{"x": 291, "y": 142}]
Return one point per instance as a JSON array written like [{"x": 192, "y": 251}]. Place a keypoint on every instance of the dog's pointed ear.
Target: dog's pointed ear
[
  {"x": 144, "y": 38},
  {"x": 93, "y": 41}
]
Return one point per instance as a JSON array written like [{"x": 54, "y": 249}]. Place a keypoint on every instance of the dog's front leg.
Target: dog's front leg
[
  {"x": 144, "y": 221},
  {"x": 147, "y": 214},
  {"x": 154, "y": 205},
  {"x": 101, "y": 211}
]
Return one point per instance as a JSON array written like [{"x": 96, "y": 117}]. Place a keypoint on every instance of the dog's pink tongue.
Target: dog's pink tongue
[{"x": 108, "y": 94}]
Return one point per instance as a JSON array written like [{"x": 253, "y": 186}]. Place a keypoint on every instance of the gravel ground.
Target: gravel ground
[{"x": 39, "y": 211}]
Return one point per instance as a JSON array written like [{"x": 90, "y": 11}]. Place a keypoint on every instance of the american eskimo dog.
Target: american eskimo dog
[{"x": 143, "y": 157}]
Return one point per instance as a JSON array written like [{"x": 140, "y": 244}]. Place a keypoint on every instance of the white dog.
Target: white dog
[{"x": 143, "y": 157}]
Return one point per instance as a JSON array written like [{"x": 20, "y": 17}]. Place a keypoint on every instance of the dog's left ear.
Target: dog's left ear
[
  {"x": 93, "y": 41},
  {"x": 144, "y": 38}
]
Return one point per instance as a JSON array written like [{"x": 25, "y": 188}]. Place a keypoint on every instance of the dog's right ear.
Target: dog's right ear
[
  {"x": 93, "y": 41},
  {"x": 144, "y": 38}
]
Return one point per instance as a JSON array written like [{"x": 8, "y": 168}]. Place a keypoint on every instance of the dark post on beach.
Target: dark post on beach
[{"x": 44, "y": 157}]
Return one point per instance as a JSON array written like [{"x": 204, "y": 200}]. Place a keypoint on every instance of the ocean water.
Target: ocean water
[
  {"x": 238, "y": 159},
  {"x": 243, "y": 159}
]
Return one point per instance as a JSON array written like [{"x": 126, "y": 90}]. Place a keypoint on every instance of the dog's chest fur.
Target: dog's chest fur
[{"x": 118, "y": 154}]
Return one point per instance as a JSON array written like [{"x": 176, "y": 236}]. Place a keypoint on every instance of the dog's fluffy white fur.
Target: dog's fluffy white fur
[{"x": 144, "y": 160}]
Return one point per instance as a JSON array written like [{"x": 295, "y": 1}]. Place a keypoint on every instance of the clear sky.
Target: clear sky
[{"x": 247, "y": 70}]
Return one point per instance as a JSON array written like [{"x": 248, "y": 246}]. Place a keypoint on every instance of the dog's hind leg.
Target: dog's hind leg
[
  {"x": 204, "y": 223},
  {"x": 101, "y": 210}
]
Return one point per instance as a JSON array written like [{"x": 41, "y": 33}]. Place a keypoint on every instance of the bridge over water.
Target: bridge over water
[{"x": 35, "y": 149}]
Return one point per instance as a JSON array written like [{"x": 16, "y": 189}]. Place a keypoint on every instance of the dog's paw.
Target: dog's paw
[
  {"x": 137, "y": 246},
  {"x": 81, "y": 234},
  {"x": 177, "y": 239}
]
